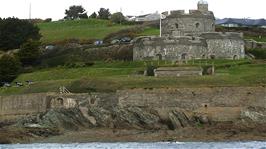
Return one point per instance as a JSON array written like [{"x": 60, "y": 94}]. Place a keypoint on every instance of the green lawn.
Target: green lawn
[
  {"x": 257, "y": 38},
  {"x": 104, "y": 77},
  {"x": 78, "y": 29},
  {"x": 149, "y": 31}
]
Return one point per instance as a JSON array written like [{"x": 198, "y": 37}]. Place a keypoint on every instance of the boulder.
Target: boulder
[
  {"x": 102, "y": 116},
  {"x": 69, "y": 119},
  {"x": 255, "y": 114}
]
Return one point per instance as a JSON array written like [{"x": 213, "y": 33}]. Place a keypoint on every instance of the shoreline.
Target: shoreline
[{"x": 105, "y": 135}]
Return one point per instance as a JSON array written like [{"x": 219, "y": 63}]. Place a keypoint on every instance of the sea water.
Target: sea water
[{"x": 151, "y": 145}]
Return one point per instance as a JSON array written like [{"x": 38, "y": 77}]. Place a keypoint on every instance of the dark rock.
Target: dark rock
[
  {"x": 70, "y": 119},
  {"x": 146, "y": 119},
  {"x": 178, "y": 119},
  {"x": 125, "y": 119},
  {"x": 103, "y": 117}
]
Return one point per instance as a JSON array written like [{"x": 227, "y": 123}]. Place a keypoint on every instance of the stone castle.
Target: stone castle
[{"x": 189, "y": 36}]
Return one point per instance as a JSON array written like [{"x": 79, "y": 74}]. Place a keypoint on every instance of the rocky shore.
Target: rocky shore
[
  {"x": 131, "y": 124},
  {"x": 217, "y": 114}
]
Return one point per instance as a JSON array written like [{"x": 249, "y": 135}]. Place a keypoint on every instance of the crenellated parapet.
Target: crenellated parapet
[
  {"x": 190, "y": 36},
  {"x": 190, "y": 14}
]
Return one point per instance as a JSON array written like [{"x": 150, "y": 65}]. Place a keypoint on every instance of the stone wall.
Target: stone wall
[
  {"x": 169, "y": 48},
  {"x": 194, "y": 98},
  {"x": 38, "y": 103},
  {"x": 219, "y": 103},
  {"x": 225, "y": 45},
  {"x": 23, "y": 104},
  {"x": 208, "y": 45},
  {"x": 177, "y": 23},
  {"x": 252, "y": 44},
  {"x": 177, "y": 71}
]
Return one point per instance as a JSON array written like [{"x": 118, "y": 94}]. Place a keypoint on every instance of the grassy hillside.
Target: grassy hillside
[
  {"x": 123, "y": 75},
  {"x": 82, "y": 29},
  {"x": 98, "y": 29}
]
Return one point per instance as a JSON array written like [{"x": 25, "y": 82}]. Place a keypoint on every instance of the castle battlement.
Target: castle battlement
[
  {"x": 183, "y": 12},
  {"x": 190, "y": 36}
]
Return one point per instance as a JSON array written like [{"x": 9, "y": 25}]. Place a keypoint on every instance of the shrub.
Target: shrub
[
  {"x": 10, "y": 67},
  {"x": 48, "y": 20},
  {"x": 118, "y": 17},
  {"x": 150, "y": 70},
  {"x": 29, "y": 52},
  {"x": 258, "y": 53}
]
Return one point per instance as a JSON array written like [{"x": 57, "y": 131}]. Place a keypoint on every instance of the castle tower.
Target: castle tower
[{"x": 203, "y": 6}]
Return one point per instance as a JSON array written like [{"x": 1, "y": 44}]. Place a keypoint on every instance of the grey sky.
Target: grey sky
[{"x": 55, "y": 8}]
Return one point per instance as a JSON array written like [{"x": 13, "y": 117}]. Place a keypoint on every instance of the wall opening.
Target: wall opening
[
  {"x": 60, "y": 101},
  {"x": 197, "y": 25},
  {"x": 212, "y": 56},
  {"x": 184, "y": 56},
  {"x": 203, "y": 56},
  {"x": 92, "y": 101},
  {"x": 235, "y": 57},
  {"x": 159, "y": 56},
  {"x": 176, "y": 25}
]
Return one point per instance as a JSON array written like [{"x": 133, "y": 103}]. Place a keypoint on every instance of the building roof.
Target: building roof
[{"x": 243, "y": 22}]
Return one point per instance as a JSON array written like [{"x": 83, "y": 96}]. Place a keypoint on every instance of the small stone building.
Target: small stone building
[
  {"x": 190, "y": 36},
  {"x": 177, "y": 71}
]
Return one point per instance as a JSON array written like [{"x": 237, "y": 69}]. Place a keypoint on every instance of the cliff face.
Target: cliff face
[{"x": 220, "y": 108}]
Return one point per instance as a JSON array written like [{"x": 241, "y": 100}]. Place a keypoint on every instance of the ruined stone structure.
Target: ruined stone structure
[
  {"x": 177, "y": 71},
  {"x": 190, "y": 36}
]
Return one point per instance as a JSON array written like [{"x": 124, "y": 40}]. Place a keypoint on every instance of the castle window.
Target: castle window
[
  {"x": 176, "y": 25},
  {"x": 212, "y": 56},
  {"x": 197, "y": 25}
]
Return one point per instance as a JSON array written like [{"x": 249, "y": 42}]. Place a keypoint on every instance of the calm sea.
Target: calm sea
[{"x": 158, "y": 145}]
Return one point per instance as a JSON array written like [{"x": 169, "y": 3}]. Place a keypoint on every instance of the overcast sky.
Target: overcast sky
[{"x": 55, "y": 8}]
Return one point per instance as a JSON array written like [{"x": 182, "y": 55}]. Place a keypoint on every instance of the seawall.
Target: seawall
[{"x": 219, "y": 103}]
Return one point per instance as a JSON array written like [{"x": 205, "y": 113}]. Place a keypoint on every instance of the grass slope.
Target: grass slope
[
  {"x": 105, "y": 77},
  {"x": 78, "y": 29}
]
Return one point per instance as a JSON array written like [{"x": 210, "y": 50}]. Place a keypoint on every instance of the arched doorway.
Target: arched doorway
[
  {"x": 235, "y": 57},
  {"x": 212, "y": 56},
  {"x": 159, "y": 56},
  {"x": 184, "y": 56}
]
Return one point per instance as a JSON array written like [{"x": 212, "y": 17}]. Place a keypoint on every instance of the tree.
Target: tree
[
  {"x": 9, "y": 68},
  {"x": 14, "y": 32},
  {"x": 118, "y": 17},
  {"x": 93, "y": 15},
  {"x": 75, "y": 12},
  {"x": 29, "y": 52},
  {"x": 83, "y": 16},
  {"x": 104, "y": 14}
]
